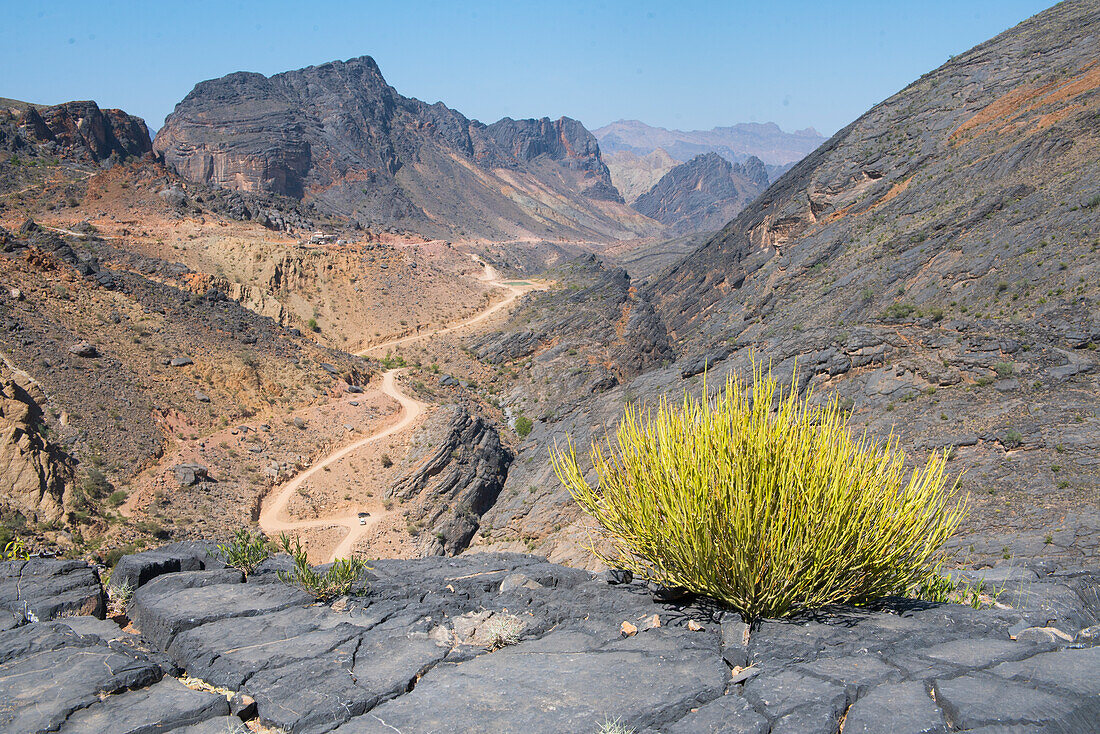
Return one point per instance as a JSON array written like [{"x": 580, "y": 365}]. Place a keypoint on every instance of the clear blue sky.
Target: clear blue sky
[{"x": 673, "y": 64}]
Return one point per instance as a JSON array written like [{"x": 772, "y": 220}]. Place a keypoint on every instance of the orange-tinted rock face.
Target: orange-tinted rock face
[
  {"x": 102, "y": 134},
  {"x": 35, "y": 477}
]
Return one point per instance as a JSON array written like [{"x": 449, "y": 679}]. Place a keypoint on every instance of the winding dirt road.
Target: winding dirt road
[
  {"x": 489, "y": 276},
  {"x": 273, "y": 517}
]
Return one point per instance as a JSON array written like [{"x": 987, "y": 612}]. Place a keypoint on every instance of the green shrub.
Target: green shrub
[
  {"x": 14, "y": 550},
  {"x": 898, "y": 310},
  {"x": 524, "y": 426},
  {"x": 342, "y": 577},
  {"x": 389, "y": 361},
  {"x": 770, "y": 510},
  {"x": 244, "y": 552},
  {"x": 112, "y": 556},
  {"x": 386, "y": 461}
]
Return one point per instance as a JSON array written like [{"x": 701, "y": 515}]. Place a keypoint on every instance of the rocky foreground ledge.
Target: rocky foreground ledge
[{"x": 511, "y": 643}]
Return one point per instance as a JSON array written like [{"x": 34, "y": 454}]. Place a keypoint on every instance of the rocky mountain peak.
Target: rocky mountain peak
[
  {"x": 703, "y": 193},
  {"x": 337, "y": 133}
]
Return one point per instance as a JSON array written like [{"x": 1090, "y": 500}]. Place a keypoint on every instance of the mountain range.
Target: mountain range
[
  {"x": 339, "y": 135},
  {"x": 933, "y": 267},
  {"x": 735, "y": 143}
]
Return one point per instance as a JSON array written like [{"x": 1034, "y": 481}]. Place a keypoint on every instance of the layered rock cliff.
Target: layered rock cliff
[{"x": 338, "y": 133}]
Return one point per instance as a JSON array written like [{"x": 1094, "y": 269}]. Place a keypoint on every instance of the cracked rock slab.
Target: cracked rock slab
[
  {"x": 317, "y": 694},
  {"x": 565, "y": 682},
  {"x": 59, "y": 673},
  {"x": 163, "y": 706},
  {"x": 168, "y": 605},
  {"x": 47, "y": 588},
  {"x": 895, "y": 708},
  {"x": 984, "y": 700}
]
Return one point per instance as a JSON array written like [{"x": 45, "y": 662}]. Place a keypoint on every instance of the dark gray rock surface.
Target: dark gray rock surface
[
  {"x": 507, "y": 642},
  {"x": 173, "y": 705},
  {"x": 45, "y": 588},
  {"x": 138, "y": 568},
  {"x": 701, "y": 195},
  {"x": 47, "y": 673}
]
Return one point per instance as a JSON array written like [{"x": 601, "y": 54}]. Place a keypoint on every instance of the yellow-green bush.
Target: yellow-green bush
[{"x": 763, "y": 501}]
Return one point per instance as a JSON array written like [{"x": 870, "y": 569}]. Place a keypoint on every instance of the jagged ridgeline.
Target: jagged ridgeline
[{"x": 338, "y": 133}]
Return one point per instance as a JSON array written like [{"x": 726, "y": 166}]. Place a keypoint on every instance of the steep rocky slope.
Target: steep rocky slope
[
  {"x": 734, "y": 142},
  {"x": 129, "y": 370},
  {"x": 338, "y": 134},
  {"x": 704, "y": 193},
  {"x": 935, "y": 267}
]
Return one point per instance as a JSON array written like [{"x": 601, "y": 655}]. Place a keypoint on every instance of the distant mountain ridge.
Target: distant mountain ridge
[
  {"x": 634, "y": 175},
  {"x": 340, "y": 135},
  {"x": 704, "y": 193},
  {"x": 735, "y": 143}
]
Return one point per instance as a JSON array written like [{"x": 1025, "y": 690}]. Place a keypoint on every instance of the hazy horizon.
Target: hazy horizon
[{"x": 696, "y": 66}]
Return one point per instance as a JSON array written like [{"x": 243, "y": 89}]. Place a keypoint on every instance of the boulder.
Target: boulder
[
  {"x": 137, "y": 569},
  {"x": 190, "y": 474},
  {"x": 84, "y": 349}
]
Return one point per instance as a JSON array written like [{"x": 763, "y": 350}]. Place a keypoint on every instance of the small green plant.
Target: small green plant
[
  {"x": 342, "y": 577},
  {"x": 614, "y": 726},
  {"x": 501, "y": 630},
  {"x": 120, "y": 594},
  {"x": 245, "y": 551},
  {"x": 313, "y": 326},
  {"x": 771, "y": 511},
  {"x": 386, "y": 461},
  {"x": 1003, "y": 369},
  {"x": 389, "y": 361},
  {"x": 15, "y": 550},
  {"x": 937, "y": 587},
  {"x": 524, "y": 426},
  {"x": 1012, "y": 438}
]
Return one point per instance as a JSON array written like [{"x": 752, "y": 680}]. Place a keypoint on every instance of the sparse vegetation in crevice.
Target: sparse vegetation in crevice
[
  {"x": 344, "y": 576},
  {"x": 245, "y": 552}
]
